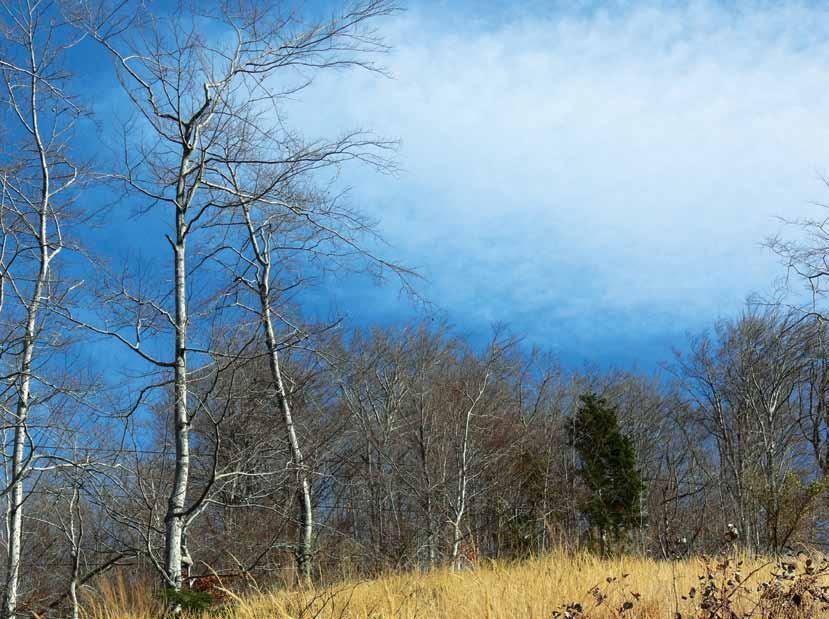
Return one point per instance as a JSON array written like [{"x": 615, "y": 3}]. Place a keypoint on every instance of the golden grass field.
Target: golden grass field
[{"x": 531, "y": 589}]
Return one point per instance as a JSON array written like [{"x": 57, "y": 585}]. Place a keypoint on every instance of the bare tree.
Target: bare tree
[
  {"x": 744, "y": 385},
  {"x": 202, "y": 106},
  {"x": 37, "y": 205},
  {"x": 470, "y": 396}
]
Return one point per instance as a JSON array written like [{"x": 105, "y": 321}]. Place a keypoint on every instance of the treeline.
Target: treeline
[
  {"x": 422, "y": 449},
  {"x": 180, "y": 417},
  {"x": 425, "y": 449}
]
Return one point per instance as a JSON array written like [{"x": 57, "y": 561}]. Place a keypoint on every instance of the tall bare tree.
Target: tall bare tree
[
  {"x": 204, "y": 103},
  {"x": 744, "y": 385},
  {"x": 37, "y": 206}
]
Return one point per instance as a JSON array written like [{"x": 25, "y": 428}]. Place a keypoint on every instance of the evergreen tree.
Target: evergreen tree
[{"x": 608, "y": 469}]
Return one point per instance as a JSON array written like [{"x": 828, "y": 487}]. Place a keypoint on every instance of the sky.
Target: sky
[{"x": 600, "y": 177}]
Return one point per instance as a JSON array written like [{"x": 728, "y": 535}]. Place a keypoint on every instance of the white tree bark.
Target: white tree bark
[
  {"x": 74, "y": 530},
  {"x": 14, "y": 515},
  {"x": 206, "y": 98},
  {"x": 174, "y": 518},
  {"x": 304, "y": 547},
  {"x": 463, "y": 474},
  {"x": 262, "y": 256}
]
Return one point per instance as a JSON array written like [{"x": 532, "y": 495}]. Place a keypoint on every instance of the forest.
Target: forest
[{"x": 182, "y": 418}]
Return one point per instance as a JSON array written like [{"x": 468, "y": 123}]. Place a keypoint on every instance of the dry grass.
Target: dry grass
[{"x": 532, "y": 589}]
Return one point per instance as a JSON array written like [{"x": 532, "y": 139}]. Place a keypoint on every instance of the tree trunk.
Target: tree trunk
[
  {"x": 263, "y": 257},
  {"x": 75, "y": 535},
  {"x": 460, "y": 499},
  {"x": 15, "y": 506},
  {"x": 304, "y": 547},
  {"x": 174, "y": 519}
]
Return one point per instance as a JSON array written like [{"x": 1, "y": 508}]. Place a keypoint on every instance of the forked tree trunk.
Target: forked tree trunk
[{"x": 463, "y": 474}]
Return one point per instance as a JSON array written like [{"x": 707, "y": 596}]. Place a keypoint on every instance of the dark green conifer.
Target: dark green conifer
[{"x": 608, "y": 469}]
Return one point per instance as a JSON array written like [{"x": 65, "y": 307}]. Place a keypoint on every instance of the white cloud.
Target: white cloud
[{"x": 591, "y": 176}]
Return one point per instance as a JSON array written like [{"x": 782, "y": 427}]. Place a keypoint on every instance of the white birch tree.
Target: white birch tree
[
  {"x": 38, "y": 182},
  {"x": 205, "y": 86}
]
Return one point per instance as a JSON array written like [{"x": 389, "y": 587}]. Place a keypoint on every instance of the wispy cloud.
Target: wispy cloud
[{"x": 600, "y": 179}]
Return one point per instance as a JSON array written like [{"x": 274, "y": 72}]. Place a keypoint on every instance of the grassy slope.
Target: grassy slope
[{"x": 531, "y": 589}]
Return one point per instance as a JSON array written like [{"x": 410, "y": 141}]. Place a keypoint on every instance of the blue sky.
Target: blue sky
[{"x": 600, "y": 178}]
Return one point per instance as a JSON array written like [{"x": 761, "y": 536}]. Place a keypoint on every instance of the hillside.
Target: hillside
[{"x": 554, "y": 586}]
